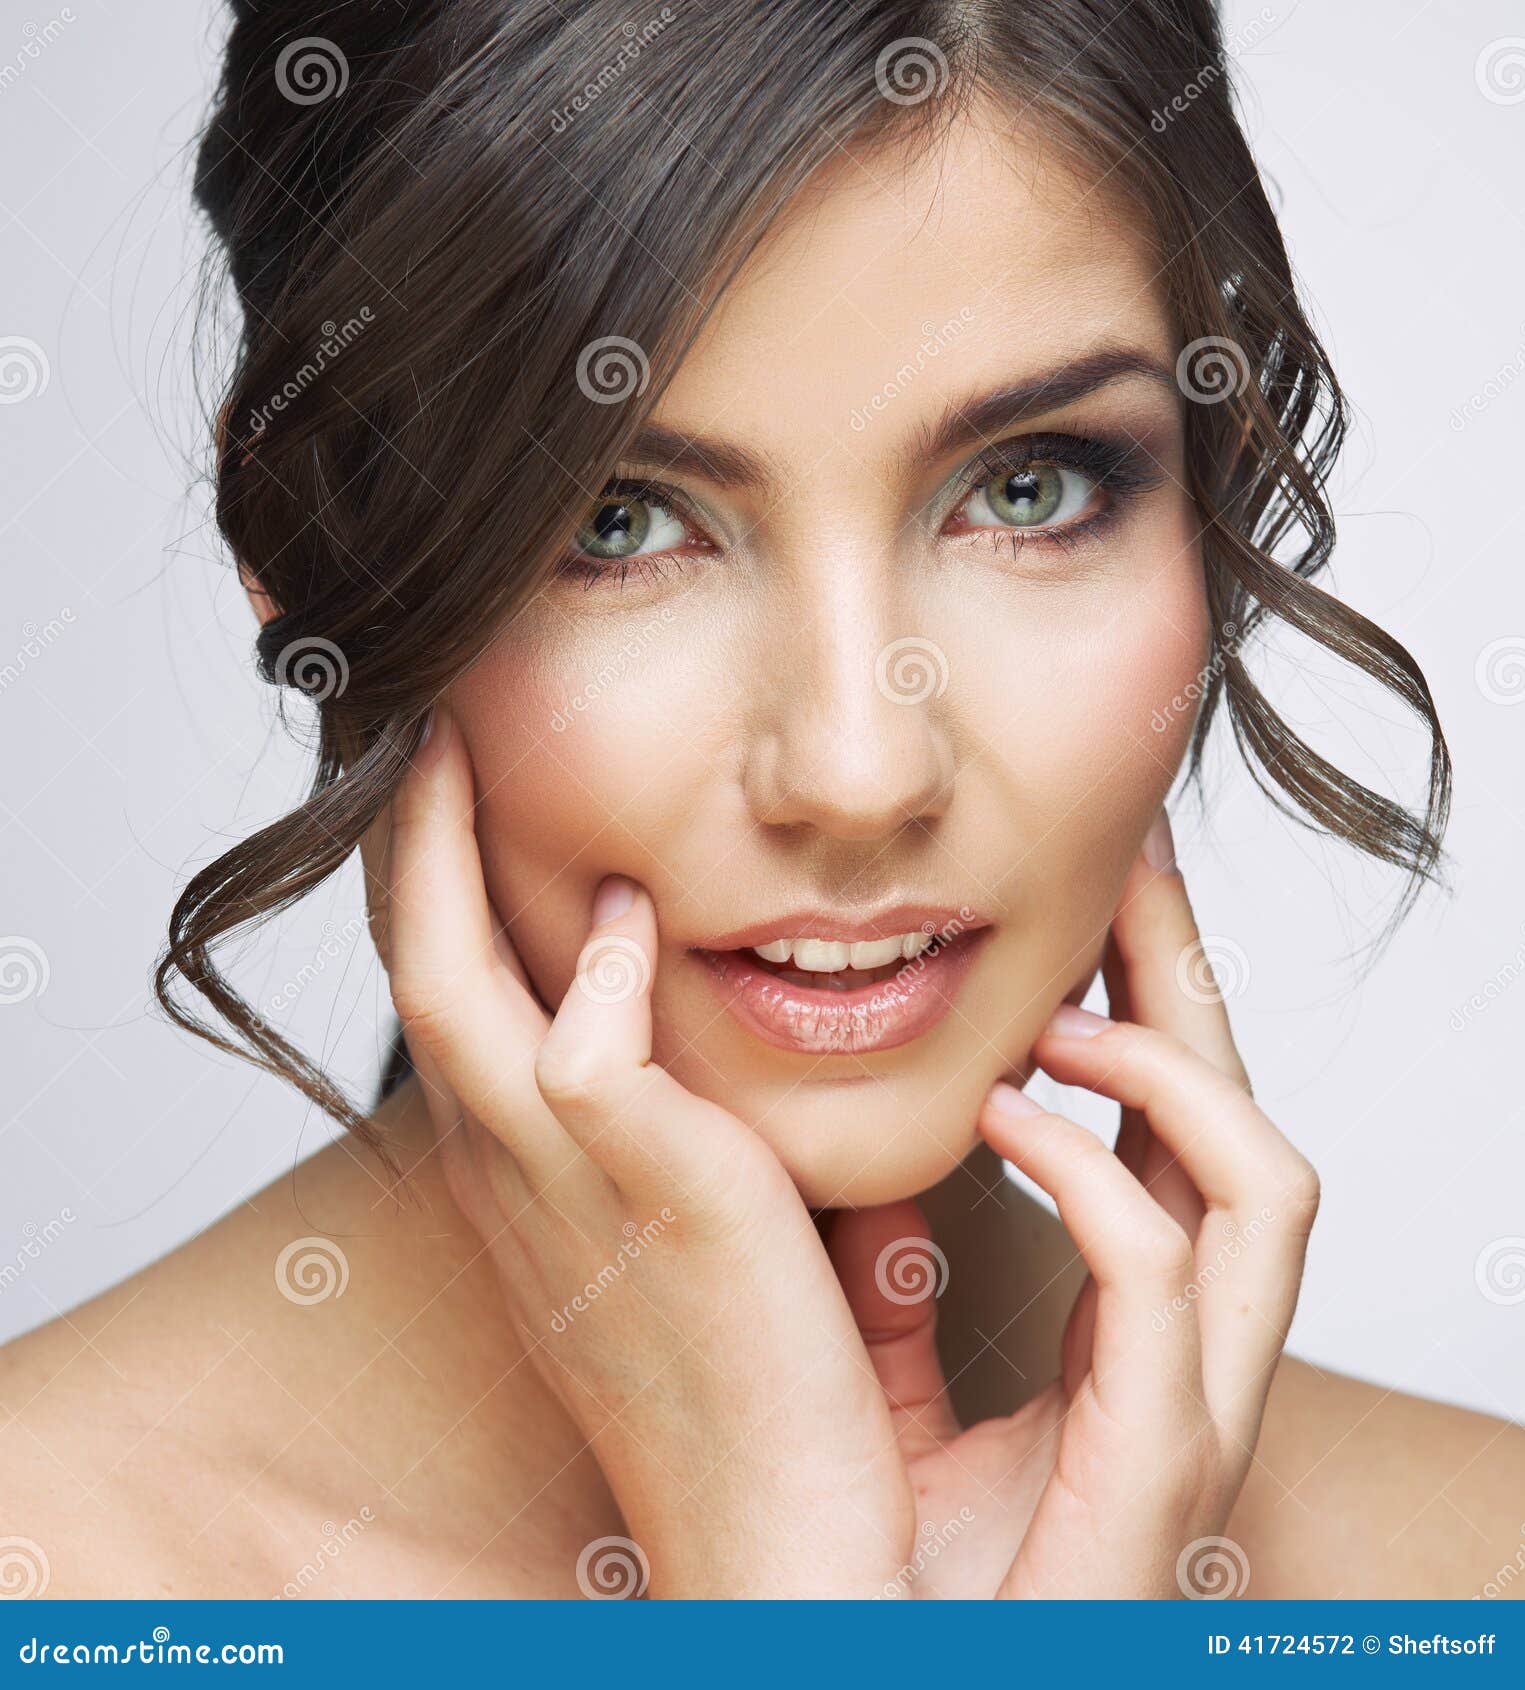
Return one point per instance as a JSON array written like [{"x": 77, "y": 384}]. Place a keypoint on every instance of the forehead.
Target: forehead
[{"x": 928, "y": 273}]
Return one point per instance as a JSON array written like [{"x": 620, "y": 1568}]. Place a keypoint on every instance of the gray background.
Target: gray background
[{"x": 137, "y": 741}]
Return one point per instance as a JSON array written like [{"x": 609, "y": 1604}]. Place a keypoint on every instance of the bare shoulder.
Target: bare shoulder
[
  {"x": 276, "y": 1406},
  {"x": 1356, "y": 1490}
]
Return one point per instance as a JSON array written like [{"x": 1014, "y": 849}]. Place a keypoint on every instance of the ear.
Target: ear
[{"x": 265, "y": 607}]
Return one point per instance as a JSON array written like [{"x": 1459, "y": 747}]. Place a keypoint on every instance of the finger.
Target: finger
[
  {"x": 470, "y": 1026},
  {"x": 594, "y": 1067},
  {"x": 892, "y": 1275},
  {"x": 1168, "y": 974},
  {"x": 1257, "y": 1188},
  {"x": 1143, "y": 1367}
]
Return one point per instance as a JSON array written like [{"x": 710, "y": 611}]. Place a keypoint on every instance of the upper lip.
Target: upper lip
[{"x": 824, "y": 924}]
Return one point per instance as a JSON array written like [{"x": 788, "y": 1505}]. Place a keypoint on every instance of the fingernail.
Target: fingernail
[
  {"x": 1160, "y": 845},
  {"x": 615, "y": 896},
  {"x": 1071, "y": 1022},
  {"x": 1006, "y": 1099}
]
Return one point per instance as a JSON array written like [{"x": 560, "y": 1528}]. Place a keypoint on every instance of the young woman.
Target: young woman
[{"x": 767, "y": 500}]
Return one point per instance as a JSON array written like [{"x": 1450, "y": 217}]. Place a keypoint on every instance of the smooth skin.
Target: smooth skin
[
  {"x": 742, "y": 1438},
  {"x": 743, "y": 1398}
]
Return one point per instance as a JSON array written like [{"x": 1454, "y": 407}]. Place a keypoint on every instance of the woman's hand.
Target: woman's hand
[
  {"x": 667, "y": 1279},
  {"x": 1194, "y": 1232}
]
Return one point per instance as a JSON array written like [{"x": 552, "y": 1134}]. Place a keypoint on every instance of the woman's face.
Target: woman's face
[{"x": 885, "y": 654}]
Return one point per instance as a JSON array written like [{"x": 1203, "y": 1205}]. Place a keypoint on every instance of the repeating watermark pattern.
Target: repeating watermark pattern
[
  {"x": 36, "y": 1239},
  {"x": 35, "y": 641},
  {"x": 612, "y": 969},
  {"x": 38, "y": 37},
  {"x": 612, "y": 369},
  {"x": 336, "y": 337},
  {"x": 1496, "y": 386},
  {"x": 336, "y": 1539},
  {"x": 1236, "y": 1240},
  {"x": 1212, "y": 1569},
  {"x": 636, "y": 1239},
  {"x": 894, "y": 989},
  {"x": 1212, "y": 369},
  {"x": 912, "y": 670},
  {"x": 24, "y": 1568},
  {"x": 911, "y": 70},
  {"x": 310, "y": 70},
  {"x": 612, "y": 671},
  {"x": 612, "y": 1569},
  {"x": 1507, "y": 1574},
  {"x": 24, "y": 369},
  {"x": 1242, "y": 40},
  {"x": 637, "y": 38},
  {"x": 934, "y": 1539},
  {"x": 934, "y": 340},
  {"x": 1212, "y": 968},
  {"x": 24, "y": 970},
  {"x": 1500, "y": 1271},
  {"x": 1491, "y": 991},
  {"x": 311, "y": 1270},
  {"x": 1191, "y": 695},
  {"x": 910, "y": 1270},
  {"x": 1500, "y": 70},
  {"x": 1500, "y": 670},
  {"x": 312, "y": 665},
  {"x": 334, "y": 944}
]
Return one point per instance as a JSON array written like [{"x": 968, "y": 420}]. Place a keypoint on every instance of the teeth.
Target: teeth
[
  {"x": 820, "y": 956},
  {"x": 831, "y": 956},
  {"x": 874, "y": 953}
]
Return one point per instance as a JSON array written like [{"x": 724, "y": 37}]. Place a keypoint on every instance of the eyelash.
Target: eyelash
[{"x": 1119, "y": 469}]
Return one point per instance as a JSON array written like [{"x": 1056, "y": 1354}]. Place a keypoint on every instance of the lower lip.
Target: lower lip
[{"x": 818, "y": 1021}]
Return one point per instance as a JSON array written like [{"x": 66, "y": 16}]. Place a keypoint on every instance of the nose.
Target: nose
[{"x": 852, "y": 739}]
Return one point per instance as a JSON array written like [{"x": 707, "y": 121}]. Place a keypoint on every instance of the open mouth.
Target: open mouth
[{"x": 845, "y": 996}]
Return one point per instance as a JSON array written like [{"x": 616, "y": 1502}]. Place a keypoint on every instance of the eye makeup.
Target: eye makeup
[{"x": 1114, "y": 470}]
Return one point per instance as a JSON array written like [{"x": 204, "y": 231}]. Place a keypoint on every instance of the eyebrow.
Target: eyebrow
[{"x": 728, "y": 464}]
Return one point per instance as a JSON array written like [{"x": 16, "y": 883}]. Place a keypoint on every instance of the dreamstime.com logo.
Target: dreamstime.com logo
[
  {"x": 1500, "y": 1271},
  {"x": 154, "y": 1650},
  {"x": 36, "y": 1240},
  {"x": 611, "y": 1569},
  {"x": 336, "y": 1539},
  {"x": 912, "y": 670},
  {"x": 24, "y": 369},
  {"x": 910, "y": 1270},
  {"x": 932, "y": 1542},
  {"x": 911, "y": 70},
  {"x": 933, "y": 340},
  {"x": 612, "y": 369},
  {"x": 310, "y": 70},
  {"x": 637, "y": 37},
  {"x": 38, "y": 37},
  {"x": 1236, "y": 1240},
  {"x": 612, "y": 671},
  {"x": 1212, "y": 369},
  {"x": 311, "y": 1270},
  {"x": 335, "y": 943},
  {"x": 24, "y": 970},
  {"x": 336, "y": 337},
  {"x": 636, "y": 1239},
  {"x": 1212, "y": 1569},
  {"x": 35, "y": 641},
  {"x": 613, "y": 969}
]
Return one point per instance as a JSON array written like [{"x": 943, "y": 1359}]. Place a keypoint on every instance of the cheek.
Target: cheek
[{"x": 573, "y": 743}]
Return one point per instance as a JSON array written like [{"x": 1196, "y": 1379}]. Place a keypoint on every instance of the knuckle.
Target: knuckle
[
  {"x": 571, "y": 1078},
  {"x": 1165, "y": 1247},
  {"x": 1298, "y": 1194},
  {"x": 421, "y": 999}
]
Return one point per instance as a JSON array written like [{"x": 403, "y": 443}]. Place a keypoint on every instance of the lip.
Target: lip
[{"x": 821, "y": 1021}]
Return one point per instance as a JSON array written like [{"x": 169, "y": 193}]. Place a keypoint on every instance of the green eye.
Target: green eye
[
  {"x": 626, "y": 525},
  {"x": 1027, "y": 497}
]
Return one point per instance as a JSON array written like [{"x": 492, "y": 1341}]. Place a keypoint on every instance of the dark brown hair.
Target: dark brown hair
[{"x": 436, "y": 214}]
